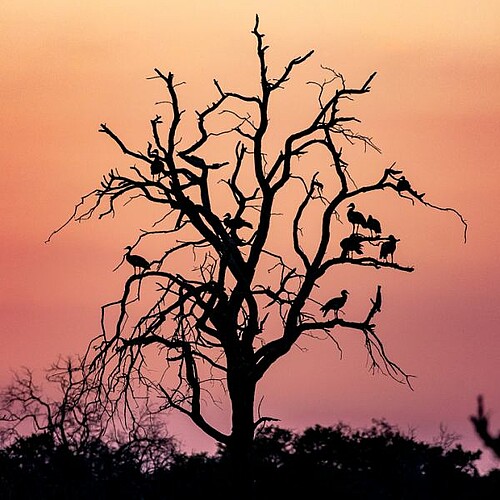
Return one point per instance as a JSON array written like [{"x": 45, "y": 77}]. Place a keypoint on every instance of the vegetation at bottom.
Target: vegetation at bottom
[{"x": 378, "y": 462}]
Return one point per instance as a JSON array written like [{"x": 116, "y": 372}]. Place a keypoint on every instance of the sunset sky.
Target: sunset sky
[{"x": 434, "y": 109}]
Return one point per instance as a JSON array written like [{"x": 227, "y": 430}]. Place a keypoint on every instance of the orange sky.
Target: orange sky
[{"x": 434, "y": 108}]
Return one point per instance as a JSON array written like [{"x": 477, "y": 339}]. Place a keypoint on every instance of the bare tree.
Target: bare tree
[
  {"x": 72, "y": 420},
  {"x": 220, "y": 301},
  {"x": 69, "y": 410}
]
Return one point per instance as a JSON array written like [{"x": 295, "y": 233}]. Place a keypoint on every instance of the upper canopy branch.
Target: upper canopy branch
[
  {"x": 284, "y": 77},
  {"x": 176, "y": 117},
  {"x": 320, "y": 123},
  {"x": 267, "y": 85},
  {"x": 104, "y": 128}
]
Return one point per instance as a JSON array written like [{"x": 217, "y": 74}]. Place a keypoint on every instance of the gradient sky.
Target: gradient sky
[{"x": 434, "y": 109}]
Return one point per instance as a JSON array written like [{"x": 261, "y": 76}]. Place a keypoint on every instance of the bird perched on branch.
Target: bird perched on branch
[
  {"x": 373, "y": 225},
  {"x": 351, "y": 244},
  {"x": 236, "y": 222},
  {"x": 136, "y": 261},
  {"x": 404, "y": 185},
  {"x": 335, "y": 304},
  {"x": 157, "y": 166},
  {"x": 319, "y": 186},
  {"x": 388, "y": 248},
  {"x": 355, "y": 218}
]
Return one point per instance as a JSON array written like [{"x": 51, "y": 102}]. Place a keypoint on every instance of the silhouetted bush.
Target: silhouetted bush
[
  {"x": 380, "y": 462},
  {"x": 338, "y": 462}
]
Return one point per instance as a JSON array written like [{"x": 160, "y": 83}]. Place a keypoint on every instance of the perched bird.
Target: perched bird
[
  {"x": 157, "y": 166},
  {"x": 355, "y": 218},
  {"x": 136, "y": 261},
  {"x": 403, "y": 184},
  {"x": 319, "y": 186},
  {"x": 236, "y": 222},
  {"x": 388, "y": 248},
  {"x": 335, "y": 304},
  {"x": 351, "y": 244},
  {"x": 373, "y": 225}
]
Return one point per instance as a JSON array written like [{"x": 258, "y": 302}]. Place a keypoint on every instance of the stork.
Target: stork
[
  {"x": 351, "y": 244},
  {"x": 235, "y": 223},
  {"x": 388, "y": 248},
  {"x": 403, "y": 184},
  {"x": 136, "y": 261},
  {"x": 157, "y": 166},
  {"x": 355, "y": 218},
  {"x": 373, "y": 225},
  {"x": 335, "y": 304},
  {"x": 318, "y": 185}
]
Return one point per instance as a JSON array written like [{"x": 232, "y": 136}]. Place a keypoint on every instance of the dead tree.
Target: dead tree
[
  {"x": 70, "y": 419},
  {"x": 69, "y": 411},
  {"x": 239, "y": 304}
]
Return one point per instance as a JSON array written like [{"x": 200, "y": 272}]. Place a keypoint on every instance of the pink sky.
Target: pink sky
[{"x": 434, "y": 109}]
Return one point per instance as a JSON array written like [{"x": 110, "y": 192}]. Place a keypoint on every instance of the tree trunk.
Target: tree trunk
[{"x": 240, "y": 447}]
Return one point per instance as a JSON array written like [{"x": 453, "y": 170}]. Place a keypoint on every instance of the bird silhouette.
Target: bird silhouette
[
  {"x": 157, "y": 166},
  {"x": 136, "y": 261},
  {"x": 236, "y": 222},
  {"x": 319, "y": 185},
  {"x": 351, "y": 244},
  {"x": 373, "y": 225},
  {"x": 404, "y": 185},
  {"x": 388, "y": 248},
  {"x": 335, "y": 304},
  {"x": 355, "y": 218}
]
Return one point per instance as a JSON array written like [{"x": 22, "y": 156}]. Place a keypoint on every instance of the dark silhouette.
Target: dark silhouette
[
  {"x": 351, "y": 245},
  {"x": 236, "y": 222},
  {"x": 355, "y": 218},
  {"x": 137, "y": 261},
  {"x": 319, "y": 185},
  {"x": 481, "y": 424},
  {"x": 373, "y": 225},
  {"x": 157, "y": 166},
  {"x": 404, "y": 185},
  {"x": 58, "y": 444},
  {"x": 379, "y": 462},
  {"x": 335, "y": 304},
  {"x": 209, "y": 319},
  {"x": 388, "y": 248}
]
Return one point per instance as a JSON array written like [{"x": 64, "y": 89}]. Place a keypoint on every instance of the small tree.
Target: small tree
[
  {"x": 221, "y": 301},
  {"x": 69, "y": 414}
]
